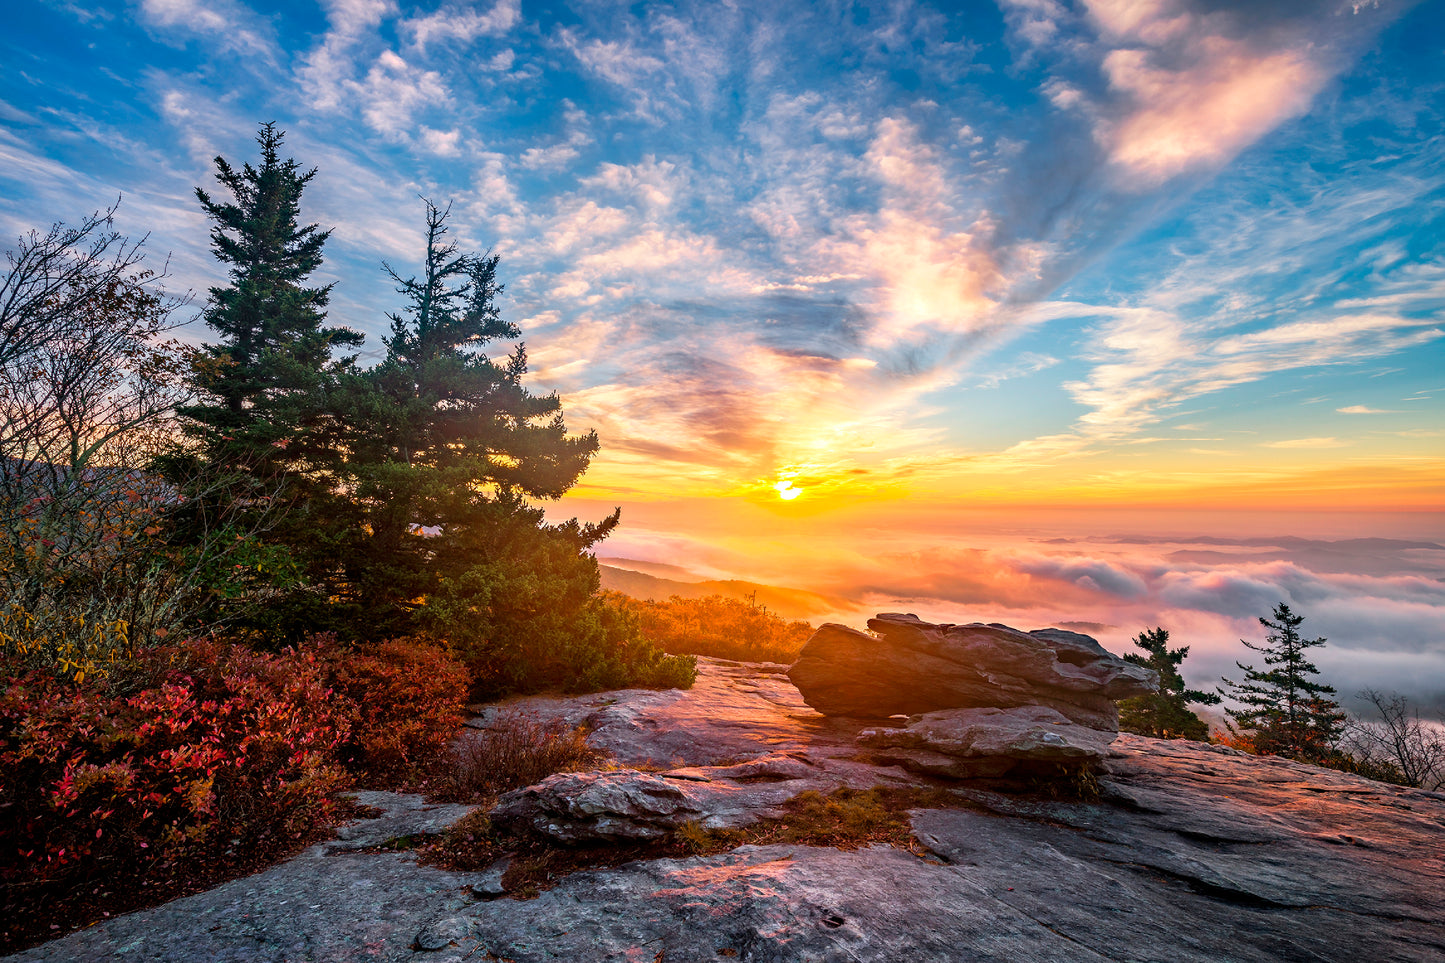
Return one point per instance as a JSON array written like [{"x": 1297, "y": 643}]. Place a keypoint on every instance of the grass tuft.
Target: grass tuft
[{"x": 515, "y": 751}]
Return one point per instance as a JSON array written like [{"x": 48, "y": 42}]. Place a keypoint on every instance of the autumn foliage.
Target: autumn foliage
[
  {"x": 716, "y": 626},
  {"x": 223, "y": 756},
  {"x": 406, "y": 701}
]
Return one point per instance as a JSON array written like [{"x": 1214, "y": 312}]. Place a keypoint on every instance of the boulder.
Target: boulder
[
  {"x": 591, "y": 807},
  {"x": 598, "y": 807},
  {"x": 970, "y": 743},
  {"x": 911, "y": 667}
]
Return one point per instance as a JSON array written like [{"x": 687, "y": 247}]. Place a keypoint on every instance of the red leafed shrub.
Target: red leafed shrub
[
  {"x": 228, "y": 751},
  {"x": 408, "y": 699},
  {"x": 217, "y": 760}
]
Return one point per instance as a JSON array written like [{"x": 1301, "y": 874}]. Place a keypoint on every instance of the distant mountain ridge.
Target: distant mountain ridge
[
  {"x": 658, "y": 569},
  {"x": 785, "y": 602}
]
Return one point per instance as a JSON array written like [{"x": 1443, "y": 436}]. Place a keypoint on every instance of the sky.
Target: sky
[{"x": 1117, "y": 312}]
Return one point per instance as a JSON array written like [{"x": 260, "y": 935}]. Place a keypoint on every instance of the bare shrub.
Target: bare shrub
[
  {"x": 514, "y": 751},
  {"x": 1397, "y": 745}
]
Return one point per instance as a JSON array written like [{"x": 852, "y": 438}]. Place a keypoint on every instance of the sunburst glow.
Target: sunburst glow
[{"x": 786, "y": 491}]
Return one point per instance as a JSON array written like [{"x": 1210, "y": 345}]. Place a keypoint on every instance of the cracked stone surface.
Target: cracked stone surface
[{"x": 1190, "y": 853}]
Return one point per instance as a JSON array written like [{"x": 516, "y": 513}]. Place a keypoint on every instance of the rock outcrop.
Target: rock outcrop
[
  {"x": 912, "y": 667},
  {"x": 982, "y": 700},
  {"x": 625, "y": 804},
  {"x": 1190, "y": 853}
]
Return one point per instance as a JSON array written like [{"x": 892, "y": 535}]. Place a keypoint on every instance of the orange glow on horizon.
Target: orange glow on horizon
[{"x": 1414, "y": 486}]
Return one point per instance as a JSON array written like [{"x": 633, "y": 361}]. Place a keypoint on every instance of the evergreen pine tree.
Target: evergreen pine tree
[
  {"x": 448, "y": 449},
  {"x": 263, "y": 422},
  {"x": 1284, "y": 710},
  {"x": 447, "y": 441},
  {"x": 1164, "y": 714},
  {"x": 263, "y": 381}
]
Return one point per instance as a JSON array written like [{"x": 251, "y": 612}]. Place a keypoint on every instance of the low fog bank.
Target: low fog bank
[{"x": 1379, "y": 602}]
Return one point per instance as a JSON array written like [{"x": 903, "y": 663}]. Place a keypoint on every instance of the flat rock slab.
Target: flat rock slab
[
  {"x": 772, "y": 904},
  {"x": 735, "y": 712},
  {"x": 1191, "y": 853},
  {"x": 972, "y": 743}
]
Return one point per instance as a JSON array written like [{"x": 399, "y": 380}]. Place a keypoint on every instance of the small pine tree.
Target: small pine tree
[
  {"x": 1164, "y": 714},
  {"x": 1284, "y": 710}
]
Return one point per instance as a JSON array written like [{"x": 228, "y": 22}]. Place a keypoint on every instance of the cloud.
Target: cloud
[
  {"x": 558, "y": 156},
  {"x": 462, "y": 24},
  {"x": 1363, "y": 410},
  {"x": 393, "y": 91},
  {"x": 326, "y": 70},
  {"x": 1202, "y": 115},
  {"x": 858, "y": 240},
  {"x": 229, "y": 25},
  {"x": 1312, "y": 443},
  {"x": 1087, "y": 573},
  {"x": 642, "y": 76},
  {"x": 1178, "y": 87},
  {"x": 1225, "y": 592},
  {"x": 442, "y": 143},
  {"x": 1191, "y": 84},
  {"x": 927, "y": 277},
  {"x": 652, "y": 182},
  {"x": 1148, "y": 362}
]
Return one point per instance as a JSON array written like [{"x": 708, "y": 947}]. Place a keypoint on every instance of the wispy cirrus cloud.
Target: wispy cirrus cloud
[
  {"x": 229, "y": 25},
  {"x": 393, "y": 91},
  {"x": 325, "y": 70},
  {"x": 1311, "y": 443},
  {"x": 461, "y": 24}
]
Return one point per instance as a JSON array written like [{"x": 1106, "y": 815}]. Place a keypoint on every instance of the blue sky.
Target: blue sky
[
  {"x": 751, "y": 239},
  {"x": 915, "y": 261}
]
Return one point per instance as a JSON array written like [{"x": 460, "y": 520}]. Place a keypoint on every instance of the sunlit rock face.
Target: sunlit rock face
[
  {"x": 983, "y": 700},
  {"x": 913, "y": 667},
  {"x": 595, "y": 806},
  {"x": 625, "y": 804}
]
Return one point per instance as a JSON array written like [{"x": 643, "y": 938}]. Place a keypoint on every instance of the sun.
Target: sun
[{"x": 786, "y": 491}]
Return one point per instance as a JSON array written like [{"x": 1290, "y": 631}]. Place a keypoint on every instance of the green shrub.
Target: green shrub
[{"x": 538, "y": 628}]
